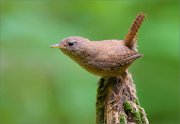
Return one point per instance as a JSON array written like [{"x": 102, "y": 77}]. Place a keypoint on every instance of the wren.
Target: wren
[{"x": 106, "y": 58}]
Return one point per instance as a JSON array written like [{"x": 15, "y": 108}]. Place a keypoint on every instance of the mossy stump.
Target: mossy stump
[{"x": 117, "y": 102}]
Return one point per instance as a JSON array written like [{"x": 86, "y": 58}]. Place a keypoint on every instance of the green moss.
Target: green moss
[
  {"x": 128, "y": 107},
  {"x": 137, "y": 117},
  {"x": 136, "y": 114},
  {"x": 122, "y": 119},
  {"x": 137, "y": 101},
  {"x": 140, "y": 111},
  {"x": 143, "y": 117}
]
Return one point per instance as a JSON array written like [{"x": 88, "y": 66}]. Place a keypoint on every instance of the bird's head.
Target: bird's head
[{"x": 70, "y": 45}]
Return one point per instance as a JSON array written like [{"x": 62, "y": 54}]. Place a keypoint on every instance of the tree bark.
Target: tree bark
[{"x": 117, "y": 102}]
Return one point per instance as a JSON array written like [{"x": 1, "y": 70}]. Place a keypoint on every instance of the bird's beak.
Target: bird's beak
[{"x": 55, "y": 46}]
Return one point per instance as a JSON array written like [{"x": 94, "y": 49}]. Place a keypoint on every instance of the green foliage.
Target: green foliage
[{"x": 39, "y": 85}]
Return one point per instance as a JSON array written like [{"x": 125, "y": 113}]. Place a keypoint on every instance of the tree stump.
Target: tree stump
[{"x": 117, "y": 102}]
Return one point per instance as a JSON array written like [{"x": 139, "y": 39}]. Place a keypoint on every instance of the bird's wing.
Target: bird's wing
[
  {"x": 128, "y": 58},
  {"x": 112, "y": 59}
]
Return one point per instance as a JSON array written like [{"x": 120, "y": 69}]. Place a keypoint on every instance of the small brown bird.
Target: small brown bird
[{"x": 106, "y": 58}]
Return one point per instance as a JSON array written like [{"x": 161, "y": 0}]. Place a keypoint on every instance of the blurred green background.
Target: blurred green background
[{"x": 39, "y": 85}]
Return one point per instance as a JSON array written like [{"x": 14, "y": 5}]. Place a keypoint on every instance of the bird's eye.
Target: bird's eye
[{"x": 71, "y": 43}]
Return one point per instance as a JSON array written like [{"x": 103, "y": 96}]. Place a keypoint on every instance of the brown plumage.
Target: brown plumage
[
  {"x": 106, "y": 58},
  {"x": 131, "y": 37}
]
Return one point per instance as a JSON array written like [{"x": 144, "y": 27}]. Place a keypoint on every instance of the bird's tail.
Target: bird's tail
[{"x": 131, "y": 37}]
